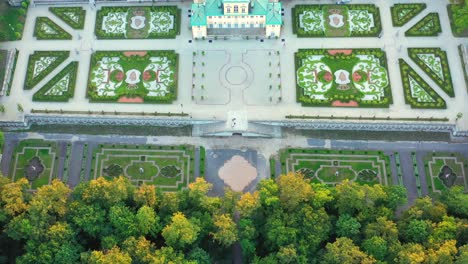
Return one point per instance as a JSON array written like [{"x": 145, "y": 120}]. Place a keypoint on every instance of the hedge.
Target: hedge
[
  {"x": 60, "y": 12},
  {"x": 31, "y": 81},
  {"x": 140, "y": 91},
  {"x": 299, "y": 9},
  {"x": 406, "y": 71},
  {"x": 307, "y": 101},
  {"x": 446, "y": 83},
  {"x": 459, "y": 13},
  {"x": 40, "y": 34},
  {"x": 72, "y": 69},
  {"x": 399, "y": 20},
  {"x": 104, "y": 11},
  {"x": 421, "y": 27}
]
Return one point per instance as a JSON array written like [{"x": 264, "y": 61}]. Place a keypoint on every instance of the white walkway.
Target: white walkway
[{"x": 392, "y": 41}]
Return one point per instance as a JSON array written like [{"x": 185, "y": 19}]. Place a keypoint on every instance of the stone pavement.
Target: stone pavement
[{"x": 392, "y": 41}]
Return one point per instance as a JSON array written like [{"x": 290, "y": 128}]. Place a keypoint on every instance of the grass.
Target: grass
[
  {"x": 433, "y": 162},
  {"x": 152, "y": 159},
  {"x": 46, "y": 151},
  {"x": 12, "y": 21},
  {"x": 325, "y": 163}
]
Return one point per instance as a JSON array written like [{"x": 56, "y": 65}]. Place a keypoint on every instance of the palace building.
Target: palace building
[{"x": 219, "y": 18}]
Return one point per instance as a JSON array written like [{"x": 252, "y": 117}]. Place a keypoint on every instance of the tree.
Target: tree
[
  {"x": 112, "y": 256},
  {"x": 411, "y": 254},
  {"x": 226, "y": 230},
  {"x": 103, "y": 192},
  {"x": 347, "y": 226},
  {"x": 293, "y": 190},
  {"x": 384, "y": 228},
  {"x": 445, "y": 253},
  {"x": 180, "y": 232},
  {"x": 376, "y": 247},
  {"x": 417, "y": 231},
  {"x": 456, "y": 201},
  {"x": 248, "y": 203},
  {"x": 145, "y": 195},
  {"x": 342, "y": 251},
  {"x": 445, "y": 230},
  {"x": 14, "y": 197}
]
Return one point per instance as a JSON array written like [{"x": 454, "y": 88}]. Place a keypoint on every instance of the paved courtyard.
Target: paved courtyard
[{"x": 241, "y": 74}]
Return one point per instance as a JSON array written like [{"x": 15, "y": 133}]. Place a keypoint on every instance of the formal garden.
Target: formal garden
[
  {"x": 445, "y": 170},
  {"x": 346, "y": 77},
  {"x": 434, "y": 62},
  {"x": 36, "y": 160},
  {"x": 133, "y": 76},
  {"x": 61, "y": 87},
  {"x": 170, "y": 168},
  {"x": 458, "y": 15},
  {"x": 361, "y": 20},
  {"x": 428, "y": 26},
  {"x": 137, "y": 22},
  {"x": 41, "y": 64},
  {"x": 333, "y": 166},
  {"x": 403, "y": 13},
  {"x": 12, "y": 20},
  {"x": 46, "y": 29},
  {"x": 72, "y": 16},
  {"x": 418, "y": 93}
]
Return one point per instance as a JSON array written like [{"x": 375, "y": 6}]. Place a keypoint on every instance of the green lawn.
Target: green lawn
[
  {"x": 435, "y": 162},
  {"x": 170, "y": 168},
  {"x": 12, "y": 21},
  {"x": 25, "y": 151},
  {"x": 334, "y": 166}
]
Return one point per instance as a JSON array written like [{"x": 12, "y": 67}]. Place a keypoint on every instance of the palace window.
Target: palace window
[
  {"x": 243, "y": 9},
  {"x": 236, "y": 9},
  {"x": 228, "y": 9}
]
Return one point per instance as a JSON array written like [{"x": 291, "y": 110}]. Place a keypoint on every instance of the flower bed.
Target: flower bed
[
  {"x": 433, "y": 61},
  {"x": 40, "y": 64},
  {"x": 73, "y": 16},
  {"x": 347, "y": 78},
  {"x": 427, "y": 26},
  {"x": 60, "y": 88},
  {"x": 362, "y": 20},
  {"x": 46, "y": 29},
  {"x": 403, "y": 13},
  {"x": 142, "y": 22},
  {"x": 418, "y": 93},
  {"x": 150, "y": 76},
  {"x": 445, "y": 170}
]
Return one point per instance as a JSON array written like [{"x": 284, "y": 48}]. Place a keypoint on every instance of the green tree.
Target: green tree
[
  {"x": 417, "y": 231},
  {"x": 112, "y": 256},
  {"x": 376, "y": 247},
  {"x": 348, "y": 226},
  {"x": 343, "y": 250},
  {"x": 180, "y": 232},
  {"x": 456, "y": 201},
  {"x": 411, "y": 254}
]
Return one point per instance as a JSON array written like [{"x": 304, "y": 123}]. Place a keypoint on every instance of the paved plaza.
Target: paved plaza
[{"x": 240, "y": 74}]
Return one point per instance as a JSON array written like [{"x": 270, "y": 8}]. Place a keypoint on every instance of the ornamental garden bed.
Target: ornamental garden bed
[
  {"x": 445, "y": 170},
  {"x": 458, "y": 15},
  {"x": 137, "y": 22},
  {"x": 403, "y": 13},
  {"x": 333, "y": 166},
  {"x": 434, "y": 62},
  {"x": 362, "y": 20},
  {"x": 170, "y": 168},
  {"x": 46, "y": 29},
  {"x": 37, "y": 160},
  {"x": 345, "y": 77},
  {"x": 72, "y": 16},
  {"x": 418, "y": 94},
  {"x": 428, "y": 26},
  {"x": 133, "y": 76},
  {"x": 41, "y": 64},
  {"x": 61, "y": 87}
]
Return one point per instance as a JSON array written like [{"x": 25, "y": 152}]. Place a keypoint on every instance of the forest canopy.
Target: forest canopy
[{"x": 287, "y": 220}]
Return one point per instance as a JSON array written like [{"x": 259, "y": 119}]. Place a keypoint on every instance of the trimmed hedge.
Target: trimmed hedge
[
  {"x": 40, "y": 34},
  {"x": 105, "y": 10},
  {"x": 140, "y": 91},
  {"x": 31, "y": 81},
  {"x": 301, "y": 33},
  {"x": 445, "y": 84},
  {"x": 60, "y": 12},
  {"x": 412, "y": 10},
  {"x": 406, "y": 71},
  {"x": 307, "y": 101},
  {"x": 72, "y": 69},
  {"x": 458, "y": 13},
  {"x": 428, "y": 26}
]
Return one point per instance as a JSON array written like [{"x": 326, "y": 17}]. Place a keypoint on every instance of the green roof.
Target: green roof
[
  {"x": 272, "y": 11},
  {"x": 198, "y": 17}
]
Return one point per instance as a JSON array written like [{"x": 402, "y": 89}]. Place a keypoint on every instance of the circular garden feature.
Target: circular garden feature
[
  {"x": 33, "y": 169},
  {"x": 114, "y": 170},
  {"x": 447, "y": 176},
  {"x": 170, "y": 171}
]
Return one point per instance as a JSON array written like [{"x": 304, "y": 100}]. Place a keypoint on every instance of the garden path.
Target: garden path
[{"x": 392, "y": 41}]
